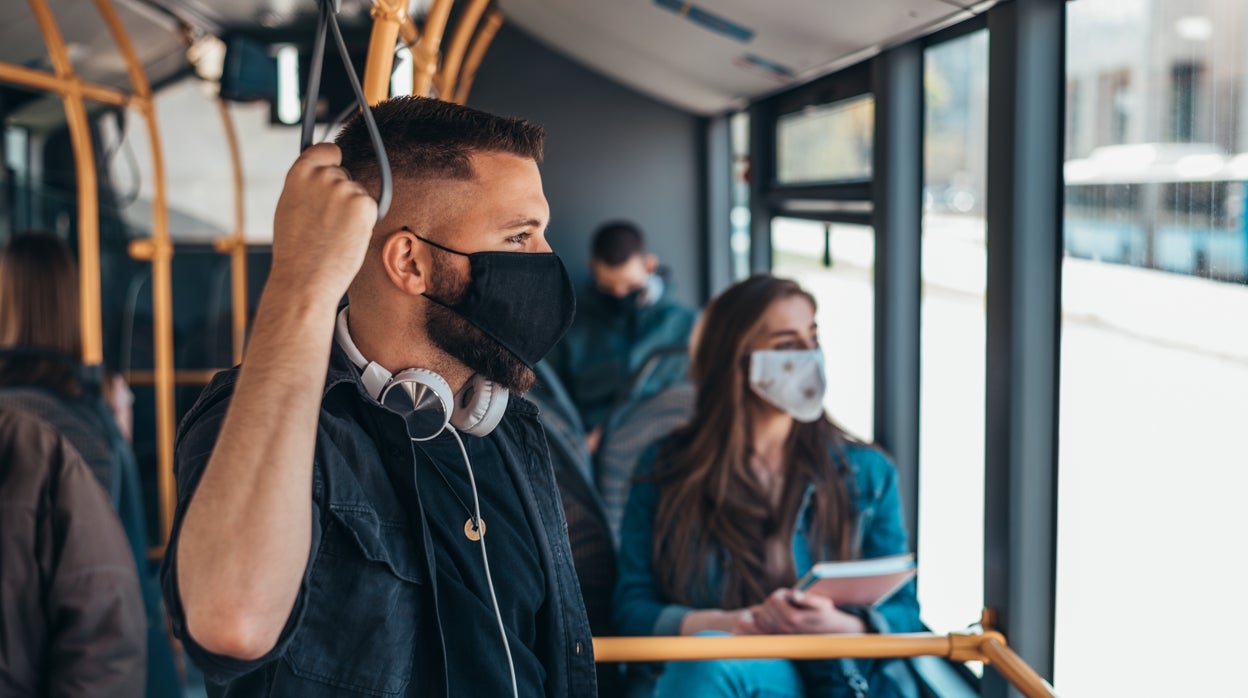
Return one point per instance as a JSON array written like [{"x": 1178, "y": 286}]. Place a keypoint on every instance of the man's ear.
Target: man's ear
[
  {"x": 652, "y": 263},
  {"x": 407, "y": 261}
]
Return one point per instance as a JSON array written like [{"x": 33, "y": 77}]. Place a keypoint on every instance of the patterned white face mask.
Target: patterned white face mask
[{"x": 791, "y": 380}]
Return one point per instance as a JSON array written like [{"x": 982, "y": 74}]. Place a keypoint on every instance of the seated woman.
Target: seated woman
[{"x": 727, "y": 513}]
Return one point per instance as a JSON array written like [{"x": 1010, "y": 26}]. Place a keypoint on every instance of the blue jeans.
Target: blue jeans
[{"x": 730, "y": 678}]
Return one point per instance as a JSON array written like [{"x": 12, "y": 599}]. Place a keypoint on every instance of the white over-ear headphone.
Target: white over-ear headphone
[
  {"x": 426, "y": 402},
  {"x": 424, "y": 398}
]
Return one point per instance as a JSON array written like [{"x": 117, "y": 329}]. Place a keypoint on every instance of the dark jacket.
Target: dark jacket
[
  {"x": 604, "y": 348},
  {"x": 365, "y": 622},
  {"x": 71, "y": 614},
  {"x": 86, "y": 423}
]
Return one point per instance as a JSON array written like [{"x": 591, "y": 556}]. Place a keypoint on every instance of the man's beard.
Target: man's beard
[{"x": 463, "y": 340}]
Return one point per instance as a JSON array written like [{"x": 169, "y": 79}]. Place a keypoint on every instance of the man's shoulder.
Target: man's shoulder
[{"x": 215, "y": 397}]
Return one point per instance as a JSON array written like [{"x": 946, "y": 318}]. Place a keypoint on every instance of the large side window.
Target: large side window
[
  {"x": 951, "y": 429},
  {"x": 1154, "y": 356}
]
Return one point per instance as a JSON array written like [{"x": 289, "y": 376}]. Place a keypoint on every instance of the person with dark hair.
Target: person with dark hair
[
  {"x": 71, "y": 614},
  {"x": 727, "y": 513},
  {"x": 330, "y": 537},
  {"x": 41, "y": 375},
  {"x": 626, "y": 314}
]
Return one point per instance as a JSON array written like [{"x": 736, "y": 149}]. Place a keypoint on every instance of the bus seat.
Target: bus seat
[
  {"x": 629, "y": 430},
  {"x": 551, "y": 392},
  {"x": 593, "y": 548},
  {"x": 663, "y": 367}
]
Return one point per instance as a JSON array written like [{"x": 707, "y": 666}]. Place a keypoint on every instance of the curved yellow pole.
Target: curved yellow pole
[
  {"x": 453, "y": 57},
  {"x": 387, "y": 18},
  {"x": 1014, "y": 669},
  {"x": 476, "y": 53},
  {"x": 408, "y": 31},
  {"x": 235, "y": 245},
  {"x": 88, "y": 194},
  {"x": 162, "y": 273},
  {"x": 425, "y": 54}
]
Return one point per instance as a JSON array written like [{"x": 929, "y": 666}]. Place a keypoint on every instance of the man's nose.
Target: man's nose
[{"x": 543, "y": 245}]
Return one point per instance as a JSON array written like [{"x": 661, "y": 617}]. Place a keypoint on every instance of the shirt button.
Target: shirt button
[{"x": 578, "y": 649}]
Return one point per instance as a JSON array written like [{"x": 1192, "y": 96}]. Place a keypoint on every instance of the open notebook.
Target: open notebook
[{"x": 859, "y": 582}]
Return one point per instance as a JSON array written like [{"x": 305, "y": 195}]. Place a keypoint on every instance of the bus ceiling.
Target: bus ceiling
[{"x": 706, "y": 57}]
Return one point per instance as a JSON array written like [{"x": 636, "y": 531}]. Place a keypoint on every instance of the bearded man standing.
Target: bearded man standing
[{"x": 331, "y": 529}]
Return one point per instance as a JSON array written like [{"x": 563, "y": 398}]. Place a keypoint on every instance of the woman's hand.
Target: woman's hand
[{"x": 788, "y": 612}]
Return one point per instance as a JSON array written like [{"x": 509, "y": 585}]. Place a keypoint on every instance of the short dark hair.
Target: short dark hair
[
  {"x": 616, "y": 242},
  {"x": 427, "y": 137}
]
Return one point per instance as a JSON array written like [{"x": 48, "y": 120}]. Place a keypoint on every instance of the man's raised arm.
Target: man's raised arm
[{"x": 245, "y": 538}]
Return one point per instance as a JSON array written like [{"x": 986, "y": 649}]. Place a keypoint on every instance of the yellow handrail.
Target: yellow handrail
[
  {"x": 453, "y": 57},
  {"x": 387, "y": 19},
  {"x": 90, "y": 314},
  {"x": 480, "y": 44},
  {"x": 189, "y": 376},
  {"x": 162, "y": 269},
  {"x": 425, "y": 54},
  {"x": 235, "y": 244},
  {"x": 37, "y": 79},
  {"x": 989, "y": 647}
]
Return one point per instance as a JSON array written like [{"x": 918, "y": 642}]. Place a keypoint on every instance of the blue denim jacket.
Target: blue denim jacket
[
  {"x": 640, "y": 609},
  {"x": 365, "y": 621}
]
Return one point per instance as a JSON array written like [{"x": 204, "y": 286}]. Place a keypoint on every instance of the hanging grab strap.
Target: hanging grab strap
[{"x": 327, "y": 20}]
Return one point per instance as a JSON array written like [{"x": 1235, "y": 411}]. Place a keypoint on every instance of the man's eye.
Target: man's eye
[{"x": 519, "y": 238}]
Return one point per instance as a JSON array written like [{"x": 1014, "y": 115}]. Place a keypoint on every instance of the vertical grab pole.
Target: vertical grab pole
[
  {"x": 387, "y": 19},
  {"x": 235, "y": 245},
  {"x": 161, "y": 251},
  {"x": 90, "y": 315},
  {"x": 425, "y": 56},
  {"x": 476, "y": 53},
  {"x": 454, "y": 56}
]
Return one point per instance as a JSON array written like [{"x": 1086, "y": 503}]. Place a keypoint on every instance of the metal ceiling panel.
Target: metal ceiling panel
[{"x": 658, "y": 47}]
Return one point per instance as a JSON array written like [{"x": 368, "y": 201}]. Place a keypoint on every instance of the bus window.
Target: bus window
[
  {"x": 834, "y": 262},
  {"x": 826, "y": 143},
  {"x": 951, "y": 432},
  {"x": 1154, "y": 364}
]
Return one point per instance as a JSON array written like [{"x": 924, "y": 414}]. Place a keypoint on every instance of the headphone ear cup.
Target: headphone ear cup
[
  {"x": 424, "y": 400},
  {"x": 480, "y": 406}
]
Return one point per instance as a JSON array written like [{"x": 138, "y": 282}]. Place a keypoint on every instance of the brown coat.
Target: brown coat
[{"x": 71, "y": 614}]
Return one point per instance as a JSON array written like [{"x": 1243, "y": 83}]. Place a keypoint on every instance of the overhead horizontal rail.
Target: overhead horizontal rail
[{"x": 22, "y": 76}]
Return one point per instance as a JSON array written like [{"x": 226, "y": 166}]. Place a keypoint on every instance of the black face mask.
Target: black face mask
[{"x": 522, "y": 300}]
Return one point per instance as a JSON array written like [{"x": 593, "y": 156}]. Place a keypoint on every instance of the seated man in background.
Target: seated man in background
[
  {"x": 73, "y": 620},
  {"x": 625, "y": 315}
]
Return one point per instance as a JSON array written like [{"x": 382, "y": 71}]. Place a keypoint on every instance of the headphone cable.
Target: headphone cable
[{"x": 485, "y": 559}]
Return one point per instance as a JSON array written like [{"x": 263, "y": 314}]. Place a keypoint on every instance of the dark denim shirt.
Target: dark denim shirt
[{"x": 365, "y": 621}]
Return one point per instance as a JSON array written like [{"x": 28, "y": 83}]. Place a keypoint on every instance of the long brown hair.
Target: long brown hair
[
  {"x": 39, "y": 310},
  {"x": 712, "y": 508}
]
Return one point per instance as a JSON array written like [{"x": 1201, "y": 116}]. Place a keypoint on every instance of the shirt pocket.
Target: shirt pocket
[{"x": 359, "y": 627}]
